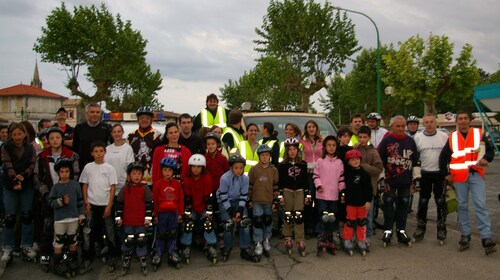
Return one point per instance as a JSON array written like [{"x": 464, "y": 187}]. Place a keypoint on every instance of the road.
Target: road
[{"x": 424, "y": 260}]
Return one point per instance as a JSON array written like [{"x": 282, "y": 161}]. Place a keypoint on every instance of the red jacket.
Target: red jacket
[
  {"x": 168, "y": 196},
  {"x": 216, "y": 167},
  {"x": 198, "y": 190},
  {"x": 181, "y": 156}
]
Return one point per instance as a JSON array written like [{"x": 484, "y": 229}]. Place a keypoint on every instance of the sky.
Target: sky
[{"x": 198, "y": 45}]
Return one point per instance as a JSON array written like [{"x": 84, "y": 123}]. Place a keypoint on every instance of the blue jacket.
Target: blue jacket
[{"x": 233, "y": 188}]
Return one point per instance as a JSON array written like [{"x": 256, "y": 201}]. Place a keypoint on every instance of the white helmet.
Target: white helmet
[
  {"x": 197, "y": 160},
  {"x": 375, "y": 116}
]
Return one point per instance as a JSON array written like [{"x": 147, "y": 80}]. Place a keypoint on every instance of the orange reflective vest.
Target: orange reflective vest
[{"x": 465, "y": 154}]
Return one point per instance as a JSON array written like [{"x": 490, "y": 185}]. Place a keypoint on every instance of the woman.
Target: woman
[
  {"x": 223, "y": 149},
  {"x": 171, "y": 149},
  {"x": 119, "y": 155},
  {"x": 270, "y": 138},
  {"x": 291, "y": 131},
  {"x": 248, "y": 148}
]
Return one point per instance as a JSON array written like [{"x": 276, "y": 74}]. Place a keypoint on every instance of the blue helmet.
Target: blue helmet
[
  {"x": 264, "y": 149},
  {"x": 145, "y": 110},
  {"x": 169, "y": 162}
]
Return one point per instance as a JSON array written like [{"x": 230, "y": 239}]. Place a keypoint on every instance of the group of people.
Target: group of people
[{"x": 202, "y": 180}]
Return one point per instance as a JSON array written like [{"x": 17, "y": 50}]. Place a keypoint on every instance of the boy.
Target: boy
[
  {"x": 263, "y": 179},
  {"x": 232, "y": 197},
  {"x": 67, "y": 200},
  {"x": 134, "y": 212},
  {"x": 98, "y": 180},
  {"x": 372, "y": 164},
  {"x": 358, "y": 196}
]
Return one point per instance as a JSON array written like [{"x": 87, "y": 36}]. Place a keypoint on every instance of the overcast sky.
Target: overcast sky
[{"x": 199, "y": 45}]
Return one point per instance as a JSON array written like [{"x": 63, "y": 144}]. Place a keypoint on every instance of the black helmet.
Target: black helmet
[
  {"x": 43, "y": 132},
  {"x": 64, "y": 162},
  {"x": 328, "y": 138},
  {"x": 145, "y": 110},
  {"x": 55, "y": 129},
  {"x": 134, "y": 166},
  {"x": 212, "y": 135},
  {"x": 236, "y": 159}
]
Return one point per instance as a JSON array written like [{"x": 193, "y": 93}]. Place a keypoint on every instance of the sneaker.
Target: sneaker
[
  {"x": 7, "y": 255},
  {"x": 258, "y": 248},
  {"x": 29, "y": 252},
  {"x": 267, "y": 245}
]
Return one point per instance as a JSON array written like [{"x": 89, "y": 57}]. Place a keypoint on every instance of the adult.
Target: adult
[
  {"x": 234, "y": 133},
  {"x": 429, "y": 145},
  {"x": 171, "y": 149},
  {"x": 248, "y": 148},
  {"x": 291, "y": 131},
  {"x": 399, "y": 155},
  {"x": 213, "y": 114},
  {"x": 466, "y": 173},
  {"x": 3, "y": 133},
  {"x": 119, "y": 155},
  {"x": 144, "y": 140},
  {"x": 412, "y": 126},
  {"x": 377, "y": 132},
  {"x": 88, "y": 132},
  {"x": 217, "y": 130},
  {"x": 355, "y": 125},
  {"x": 31, "y": 136},
  {"x": 187, "y": 137},
  {"x": 61, "y": 117},
  {"x": 269, "y": 137}
]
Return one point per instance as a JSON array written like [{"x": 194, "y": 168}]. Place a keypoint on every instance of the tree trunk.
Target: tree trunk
[
  {"x": 430, "y": 107},
  {"x": 304, "y": 103}
]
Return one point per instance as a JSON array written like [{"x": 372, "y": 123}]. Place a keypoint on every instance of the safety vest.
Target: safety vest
[
  {"x": 465, "y": 154},
  {"x": 354, "y": 141},
  {"x": 252, "y": 158},
  {"x": 237, "y": 138},
  {"x": 207, "y": 119}
]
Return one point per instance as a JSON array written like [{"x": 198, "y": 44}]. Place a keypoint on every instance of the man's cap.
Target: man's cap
[{"x": 61, "y": 110}]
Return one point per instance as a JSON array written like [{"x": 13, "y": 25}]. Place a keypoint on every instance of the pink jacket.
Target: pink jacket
[
  {"x": 309, "y": 155},
  {"x": 329, "y": 173}
]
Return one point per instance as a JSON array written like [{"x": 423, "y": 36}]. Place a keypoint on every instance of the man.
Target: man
[
  {"x": 466, "y": 173},
  {"x": 377, "y": 132},
  {"x": 234, "y": 133},
  {"x": 399, "y": 155},
  {"x": 61, "y": 117},
  {"x": 88, "y": 132},
  {"x": 412, "y": 126},
  {"x": 212, "y": 115},
  {"x": 356, "y": 123},
  {"x": 144, "y": 140},
  {"x": 429, "y": 145},
  {"x": 187, "y": 138}
]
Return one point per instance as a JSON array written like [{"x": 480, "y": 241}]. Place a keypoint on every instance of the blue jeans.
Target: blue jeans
[
  {"x": 244, "y": 232},
  {"x": 24, "y": 201},
  {"x": 328, "y": 206},
  {"x": 369, "y": 224},
  {"x": 265, "y": 231},
  {"x": 187, "y": 237},
  {"x": 167, "y": 222},
  {"x": 474, "y": 184},
  {"x": 140, "y": 251}
]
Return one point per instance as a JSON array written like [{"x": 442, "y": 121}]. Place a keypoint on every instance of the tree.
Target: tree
[
  {"x": 112, "y": 52},
  {"x": 424, "y": 71},
  {"x": 314, "y": 39}
]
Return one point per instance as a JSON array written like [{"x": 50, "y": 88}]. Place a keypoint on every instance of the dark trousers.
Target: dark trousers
[
  {"x": 396, "y": 206},
  {"x": 431, "y": 183}
]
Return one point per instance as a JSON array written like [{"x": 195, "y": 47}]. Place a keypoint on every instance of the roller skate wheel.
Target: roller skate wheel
[
  {"x": 410, "y": 244},
  {"x": 124, "y": 272},
  {"x": 214, "y": 261},
  {"x": 45, "y": 268},
  {"x": 385, "y": 244},
  {"x": 289, "y": 251},
  {"x": 155, "y": 268},
  {"x": 441, "y": 242},
  {"x": 188, "y": 261},
  {"x": 351, "y": 253},
  {"x": 363, "y": 253}
]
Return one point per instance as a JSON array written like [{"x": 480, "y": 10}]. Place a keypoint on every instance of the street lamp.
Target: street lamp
[
  {"x": 22, "y": 114},
  {"x": 379, "y": 83}
]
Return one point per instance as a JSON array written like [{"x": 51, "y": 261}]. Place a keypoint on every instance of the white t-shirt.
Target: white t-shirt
[
  {"x": 119, "y": 157},
  {"x": 429, "y": 147},
  {"x": 377, "y": 135},
  {"x": 99, "y": 178}
]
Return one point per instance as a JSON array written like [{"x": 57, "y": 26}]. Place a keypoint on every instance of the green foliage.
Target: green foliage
[
  {"x": 425, "y": 71},
  {"x": 487, "y": 78},
  {"x": 112, "y": 52}
]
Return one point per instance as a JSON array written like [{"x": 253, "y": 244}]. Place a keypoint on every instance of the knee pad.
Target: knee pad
[
  {"x": 10, "y": 221},
  {"x": 404, "y": 200},
  {"x": 350, "y": 223},
  {"x": 188, "y": 226},
  {"x": 440, "y": 201},
  {"x": 26, "y": 217},
  {"x": 228, "y": 225},
  {"x": 328, "y": 217},
  {"x": 423, "y": 201},
  {"x": 60, "y": 240},
  {"x": 298, "y": 217},
  {"x": 288, "y": 217},
  {"x": 362, "y": 222},
  {"x": 268, "y": 220},
  {"x": 129, "y": 240},
  {"x": 245, "y": 222},
  {"x": 207, "y": 224},
  {"x": 258, "y": 221},
  {"x": 172, "y": 234},
  {"x": 141, "y": 239},
  {"x": 71, "y": 239},
  {"x": 388, "y": 199},
  {"x": 48, "y": 226}
]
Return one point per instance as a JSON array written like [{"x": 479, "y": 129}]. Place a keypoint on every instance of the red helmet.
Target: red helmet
[{"x": 353, "y": 154}]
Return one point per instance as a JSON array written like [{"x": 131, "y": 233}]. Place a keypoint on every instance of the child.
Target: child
[
  {"x": 293, "y": 184},
  {"x": 67, "y": 200},
  {"x": 134, "y": 213},
  {"x": 197, "y": 192},
  {"x": 169, "y": 208},
  {"x": 345, "y": 136},
  {"x": 263, "y": 179},
  {"x": 358, "y": 197},
  {"x": 329, "y": 181},
  {"x": 232, "y": 197},
  {"x": 98, "y": 180},
  {"x": 372, "y": 164}
]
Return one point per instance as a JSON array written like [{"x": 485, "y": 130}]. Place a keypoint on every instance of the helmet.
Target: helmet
[
  {"x": 412, "y": 119},
  {"x": 213, "y": 135},
  {"x": 328, "y": 138},
  {"x": 169, "y": 162},
  {"x": 63, "y": 162},
  {"x": 353, "y": 154},
  {"x": 147, "y": 110},
  {"x": 374, "y": 115},
  {"x": 291, "y": 142},
  {"x": 54, "y": 129},
  {"x": 134, "y": 166},
  {"x": 264, "y": 149},
  {"x": 43, "y": 132},
  {"x": 198, "y": 160},
  {"x": 236, "y": 159}
]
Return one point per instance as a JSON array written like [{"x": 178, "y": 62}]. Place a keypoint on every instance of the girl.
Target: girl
[
  {"x": 292, "y": 183},
  {"x": 18, "y": 157},
  {"x": 329, "y": 181},
  {"x": 269, "y": 137},
  {"x": 222, "y": 147},
  {"x": 248, "y": 148},
  {"x": 119, "y": 155},
  {"x": 171, "y": 149},
  {"x": 291, "y": 131}
]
